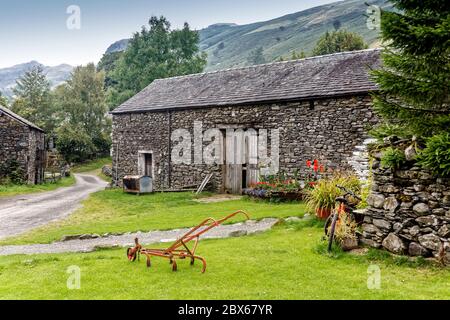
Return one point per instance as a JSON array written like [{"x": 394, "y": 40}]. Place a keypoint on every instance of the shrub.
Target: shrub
[
  {"x": 392, "y": 158},
  {"x": 12, "y": 173},
  {"x": 436, "y": 155},
  {"x": 339, "y": 41},
  {"x": 325, "y": 191}
]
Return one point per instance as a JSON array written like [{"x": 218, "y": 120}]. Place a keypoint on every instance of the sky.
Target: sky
[{"x": 38, "y": 29}]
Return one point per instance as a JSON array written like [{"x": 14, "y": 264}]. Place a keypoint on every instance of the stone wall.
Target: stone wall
[
  {"x": 19, "y": 142},
  {"x": 330, "y": 130},
  {"x": 409, "y": 212}
]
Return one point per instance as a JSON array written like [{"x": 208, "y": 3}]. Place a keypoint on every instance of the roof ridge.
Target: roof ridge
[
  {"x": 268, "y": 64},
  {"x": 18, "y": 118}
]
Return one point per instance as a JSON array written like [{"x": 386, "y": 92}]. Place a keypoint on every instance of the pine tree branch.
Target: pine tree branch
[{"x": 418, "y": 109}]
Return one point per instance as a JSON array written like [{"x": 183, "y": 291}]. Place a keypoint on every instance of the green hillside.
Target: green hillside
[{"x": 230, "y": 45}]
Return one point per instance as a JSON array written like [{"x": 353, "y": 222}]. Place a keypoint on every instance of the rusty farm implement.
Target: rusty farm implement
[{"x": 180, "y": 249}]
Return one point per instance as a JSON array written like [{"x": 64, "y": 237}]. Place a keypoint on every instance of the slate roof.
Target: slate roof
[
  {"x": 18, "y": 118},
  {"x": 311, "y": 78}
]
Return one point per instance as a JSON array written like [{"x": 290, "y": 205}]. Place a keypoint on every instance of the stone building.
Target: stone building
[
  {"x": 22, "y": 145},
  {"x": 314, "y": 108}
]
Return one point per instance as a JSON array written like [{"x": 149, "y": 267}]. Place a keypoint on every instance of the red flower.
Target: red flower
[
  {"x": 308, "y": 163},
  {"x": 316, "y": 165},
  {"x": 322, "y": 168}
]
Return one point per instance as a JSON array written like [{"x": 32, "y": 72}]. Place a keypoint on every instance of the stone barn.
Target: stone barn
[
  {"x": 22, "y": 147},
  {"x": 313, "y": 108}
]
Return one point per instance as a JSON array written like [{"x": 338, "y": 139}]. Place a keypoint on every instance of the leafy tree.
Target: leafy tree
[
  {"x": 108, "y": 64},
  {"x": 82, "y": 100},
  {"x": 33, "y": 99},
  {"x": 300, "y": 55},
  {"x": 3, "y": 100},
  {"x": 256, "y": 57},
  {"x": 339, "y": 41},
  {"x": 74, "y": 143},
  {"x": 153, "y": 53},
  {"x": 414, "y": 81}
]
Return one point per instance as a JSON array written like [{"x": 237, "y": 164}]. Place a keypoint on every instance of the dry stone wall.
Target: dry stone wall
[{"x": 409, "y": 212}]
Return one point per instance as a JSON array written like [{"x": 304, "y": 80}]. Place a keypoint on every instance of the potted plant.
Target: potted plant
[{"x": 321, "y": 199}]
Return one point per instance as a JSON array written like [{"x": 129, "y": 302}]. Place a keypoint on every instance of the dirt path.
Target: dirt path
[
  {"x": 223, "y": 231},
  {"x": 23, "y": 213}
]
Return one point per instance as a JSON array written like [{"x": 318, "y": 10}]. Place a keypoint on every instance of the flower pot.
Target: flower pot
[{"x": 323, "y": 213}]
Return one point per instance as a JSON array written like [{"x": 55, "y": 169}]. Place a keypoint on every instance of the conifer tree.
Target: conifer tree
[
  {"x": 414, "y": 81},
  {"x": 33, "y": 100}
]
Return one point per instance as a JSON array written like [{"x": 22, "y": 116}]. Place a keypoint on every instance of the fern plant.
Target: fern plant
[
  {"x": 392, "y": 158},
  {"x": 436, "y": 155}
]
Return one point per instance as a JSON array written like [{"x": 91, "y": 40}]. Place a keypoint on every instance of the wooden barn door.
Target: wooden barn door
[
  {"x": 233, "y": 169},
  {"x": 252, "y": 159},
  {"x": 241, "y": 167}
]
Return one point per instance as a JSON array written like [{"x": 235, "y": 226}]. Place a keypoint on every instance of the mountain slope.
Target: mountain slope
[
  {"x": 230, "y": 45},
  {"x": 8, "y": 76}
]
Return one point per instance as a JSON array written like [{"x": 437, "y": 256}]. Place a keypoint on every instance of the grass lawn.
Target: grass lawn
[
  {"x": 112, "y": 211},
  {"x": 281, "y": 264},
  {"x": 14, "y": 190}
]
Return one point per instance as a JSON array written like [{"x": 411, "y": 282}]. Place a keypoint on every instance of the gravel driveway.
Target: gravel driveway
[
  {"x": 22, "y": 213},
  {"x": 88, "y": 245}
]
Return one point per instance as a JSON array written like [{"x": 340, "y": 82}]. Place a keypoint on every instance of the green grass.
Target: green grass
[
  {"x": 94, "y": 167},
  {"x": 112, "y": 211},
  {"x": 281, "y": 264},
  {"x": 14, "y": 190}
]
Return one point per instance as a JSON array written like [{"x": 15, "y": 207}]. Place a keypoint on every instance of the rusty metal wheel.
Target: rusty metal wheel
[{"x": 131, "y": 255}]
